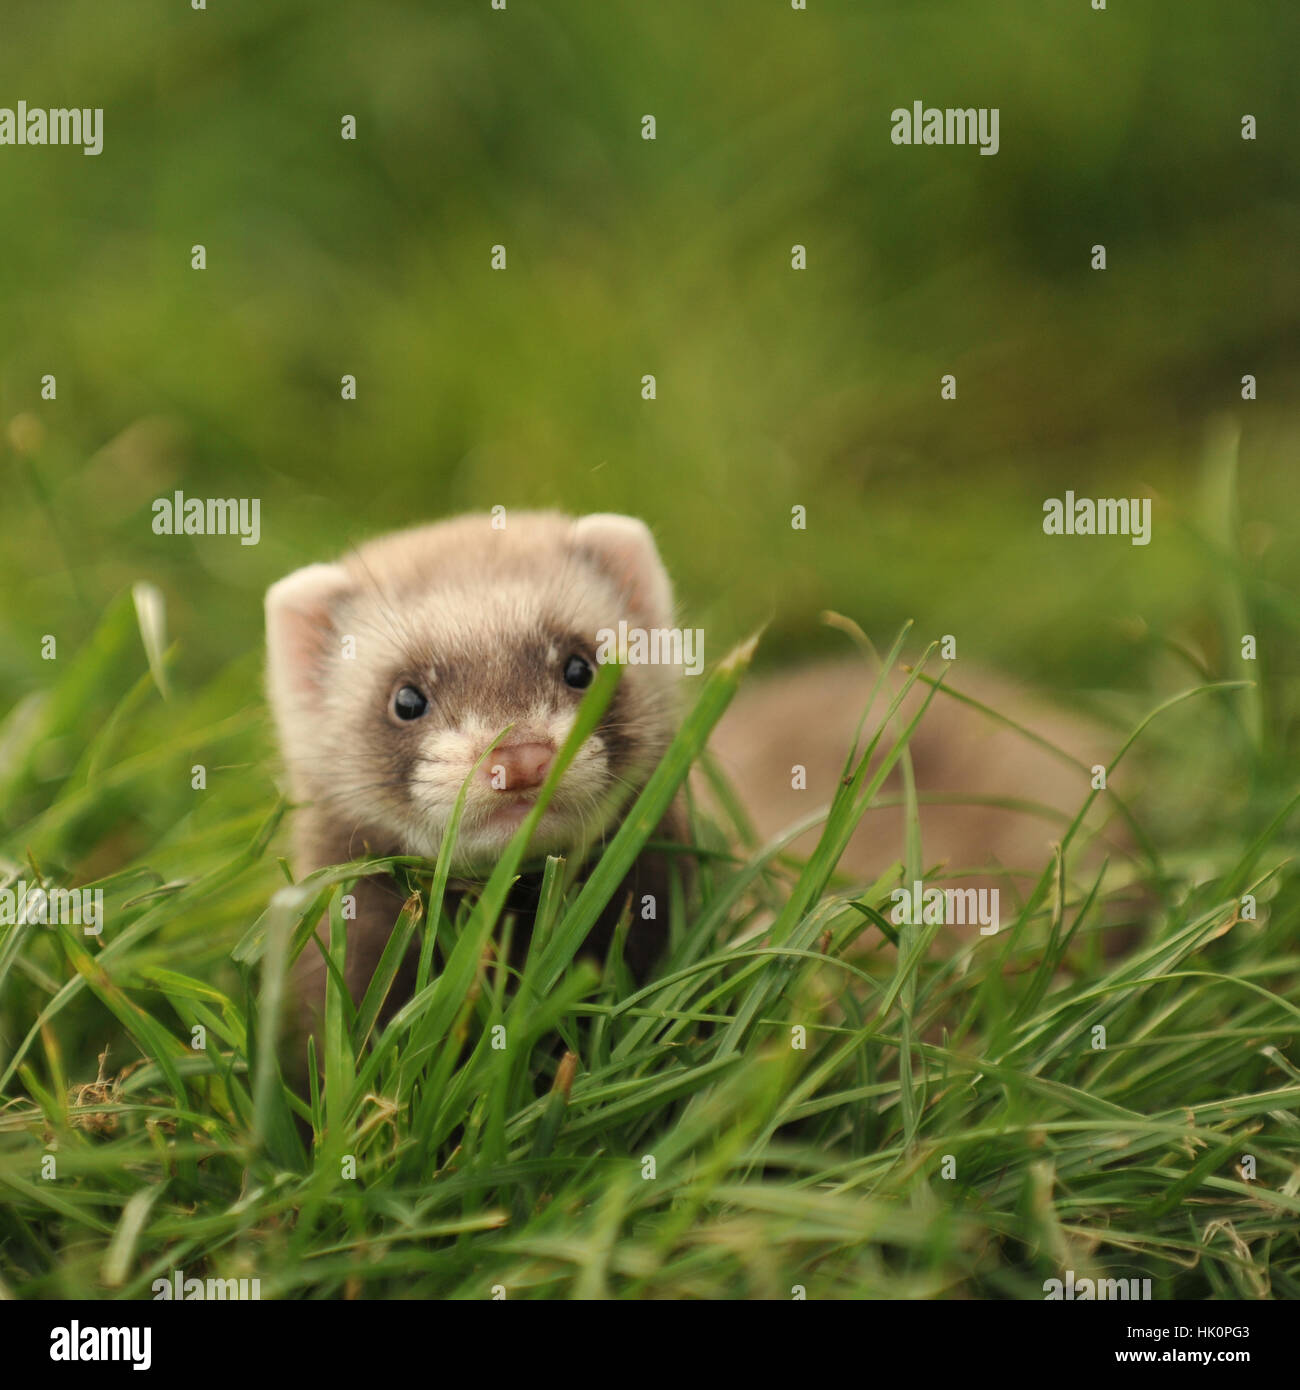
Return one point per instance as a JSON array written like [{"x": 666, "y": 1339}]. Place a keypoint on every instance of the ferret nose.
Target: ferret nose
[{"x": 517, "y": 767}]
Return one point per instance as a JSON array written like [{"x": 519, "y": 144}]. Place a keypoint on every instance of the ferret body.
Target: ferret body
[
  {"x": 993, "y": 800},
  {"x": 391, "y": 672}
]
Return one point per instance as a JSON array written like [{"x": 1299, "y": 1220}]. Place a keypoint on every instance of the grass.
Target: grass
[
  {"x": 797, "y": 1099},
  {"x": 147, "y": 771}
]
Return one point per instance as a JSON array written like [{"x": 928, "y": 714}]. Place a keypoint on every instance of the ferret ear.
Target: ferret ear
[
  {"x": 624, "y": 548},
  {"x": 300, "y": 628}
]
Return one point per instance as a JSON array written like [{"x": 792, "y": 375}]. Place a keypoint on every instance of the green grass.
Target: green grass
[
  {"x": 774, "y": 1166},
  {"x": 949, "y": 1130}
]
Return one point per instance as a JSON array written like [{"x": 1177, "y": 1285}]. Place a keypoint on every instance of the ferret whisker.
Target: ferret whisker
[{"x": 396, "y": 620}]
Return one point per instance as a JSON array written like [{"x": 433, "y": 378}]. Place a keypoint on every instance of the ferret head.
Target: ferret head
[{"x": 391, "y": 672}]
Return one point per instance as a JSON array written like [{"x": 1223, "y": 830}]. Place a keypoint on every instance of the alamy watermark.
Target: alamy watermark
[
  {"x": 77, "y": 1343},
  {"x": 952, "y": 907},
  {"x": 653, "y": 646},
  {"x": 1101, "y": 516},
  {"x": 21, "y": 905},
  {"x": 953, "y": 125},
  {"x": 178, "y": 1288},
  {"x": 75, "y": 125},
  {"x": 179, "y": 515},
  {"x": 1071, "y": 1288}
]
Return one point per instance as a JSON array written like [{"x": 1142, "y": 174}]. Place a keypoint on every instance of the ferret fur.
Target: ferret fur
[
  {"x": 482, "y": 621},
  {"x": 962, "y": 758}
]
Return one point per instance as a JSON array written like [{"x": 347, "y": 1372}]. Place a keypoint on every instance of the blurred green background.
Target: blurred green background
[{"x": 776, "y": 387}]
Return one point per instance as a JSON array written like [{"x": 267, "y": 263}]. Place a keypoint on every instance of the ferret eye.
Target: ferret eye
[
  {"x": 409, "y": 703},
  {"x": 578, "y": 672}
]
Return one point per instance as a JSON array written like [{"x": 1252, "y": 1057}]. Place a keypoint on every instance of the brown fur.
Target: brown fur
[{"x": 808, "y": 717}]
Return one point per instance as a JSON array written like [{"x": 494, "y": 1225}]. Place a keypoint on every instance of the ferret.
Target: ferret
[
  {"x": 993, "y": 801},
  {"x": 392, "y": 670}
]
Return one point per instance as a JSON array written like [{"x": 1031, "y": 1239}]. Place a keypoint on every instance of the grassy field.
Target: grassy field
[
  {"x": 804, "y": 1097},
  {"x": 129, "y": 659}
]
